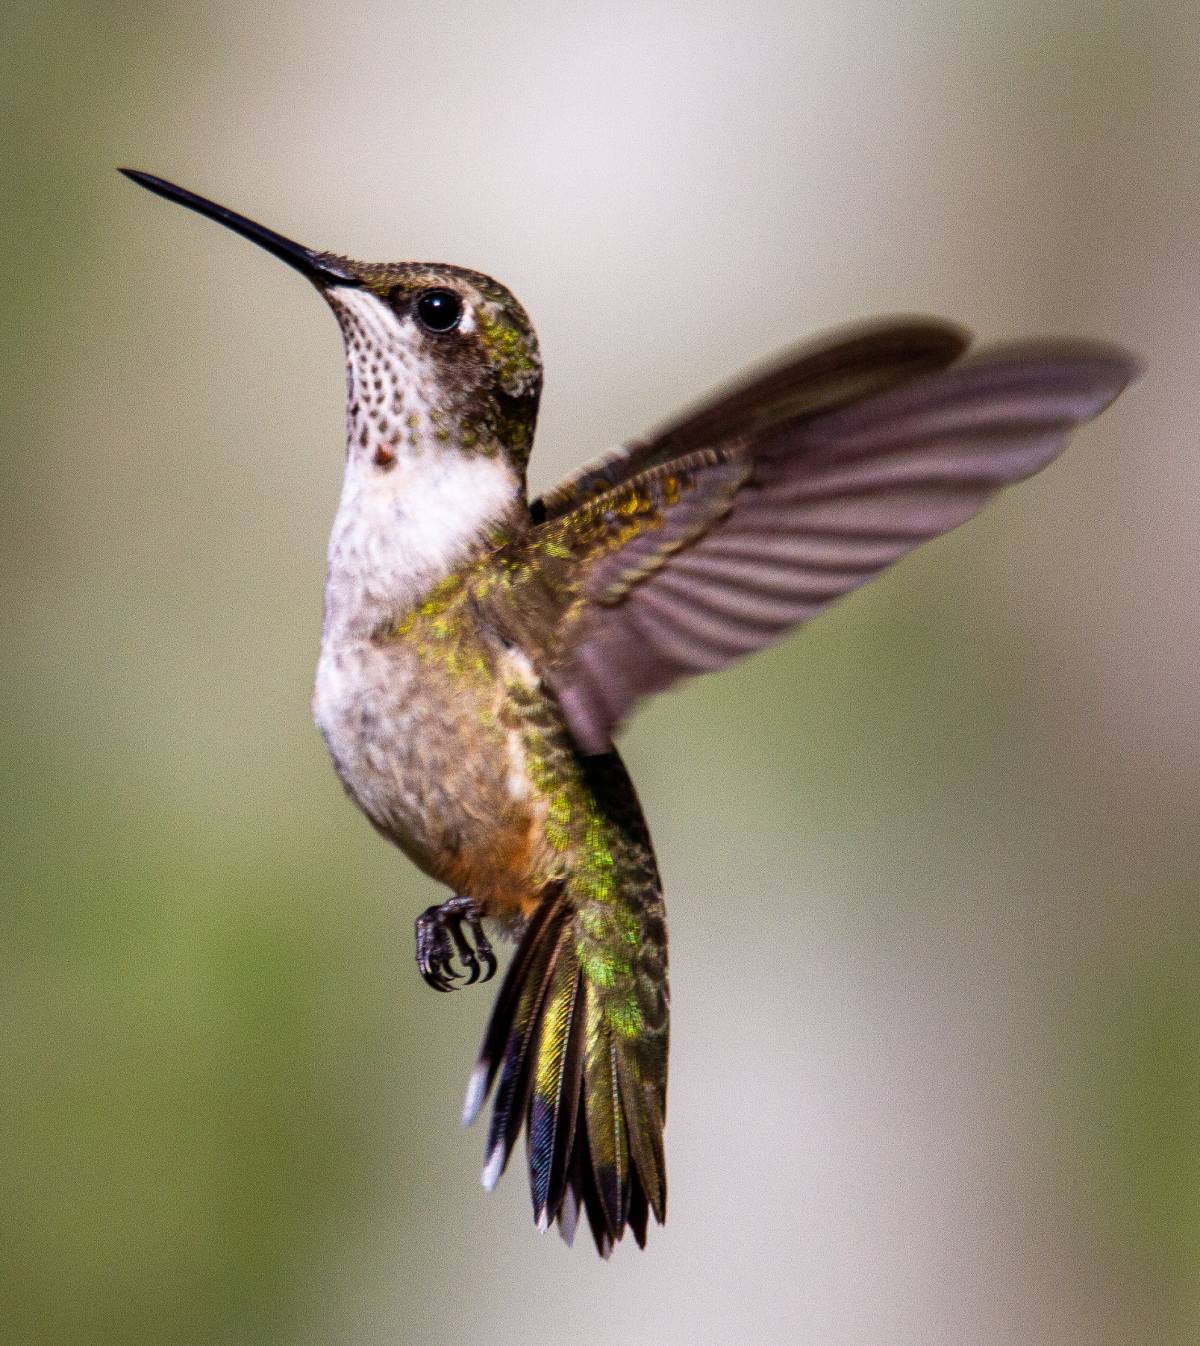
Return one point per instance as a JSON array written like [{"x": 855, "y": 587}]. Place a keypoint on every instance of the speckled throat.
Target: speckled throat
[{"x": 430, "y": 477}]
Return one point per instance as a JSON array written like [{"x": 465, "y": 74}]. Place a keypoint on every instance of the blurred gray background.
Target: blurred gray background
[{"x": 932, "y": 864}]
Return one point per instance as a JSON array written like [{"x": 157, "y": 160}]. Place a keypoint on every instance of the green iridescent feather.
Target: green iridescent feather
[{"x": 578, "y": 1037}]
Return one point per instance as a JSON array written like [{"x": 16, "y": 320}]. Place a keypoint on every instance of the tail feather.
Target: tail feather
[
  {"x": 639, "y": 1214},
  {"x": 642, "y": 1100},
  {"x": 590, "y": 1192},
  {"x": 557, "y": 1079},
  {"x": 592, "y": 1108},
  {"x": 572, "y": 1197},
  {"x": 515, "y": 1088},
  {"x": 607, "y": 1137},
  {"x": 500, "y": 1024}
]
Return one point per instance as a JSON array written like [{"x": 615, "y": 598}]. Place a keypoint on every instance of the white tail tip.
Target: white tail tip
[
  {"x": 476, "y": 1088},
  {"x": 493, "y": 1168}
]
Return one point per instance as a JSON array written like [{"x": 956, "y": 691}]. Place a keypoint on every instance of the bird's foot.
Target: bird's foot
[{"x": 441, "y": 935}]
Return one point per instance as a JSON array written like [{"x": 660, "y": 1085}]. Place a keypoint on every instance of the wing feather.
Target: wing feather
[
  {"x": 673, "y": 566},
  {"x": 828, "y": 371}
]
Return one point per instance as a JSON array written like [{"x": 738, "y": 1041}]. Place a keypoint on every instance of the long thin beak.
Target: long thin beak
[{"x": 321, "y": 268}]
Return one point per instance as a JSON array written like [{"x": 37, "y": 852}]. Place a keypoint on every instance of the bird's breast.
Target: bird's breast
[{"x": 431, "y": 746}]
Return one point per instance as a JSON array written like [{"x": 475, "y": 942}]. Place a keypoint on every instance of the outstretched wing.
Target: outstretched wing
[
  {"x": 816, "y": 375},
  {"x": 685, "y": 563}
]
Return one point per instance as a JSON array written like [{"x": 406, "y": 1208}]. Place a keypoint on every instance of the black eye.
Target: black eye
[{"x": 439, "y": 310}]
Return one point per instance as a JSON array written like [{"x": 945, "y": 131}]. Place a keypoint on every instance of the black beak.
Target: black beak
[{"x": 322, "y": 268}]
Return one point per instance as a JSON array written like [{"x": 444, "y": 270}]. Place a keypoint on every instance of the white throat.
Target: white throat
[{"x": 415, "y": 503}]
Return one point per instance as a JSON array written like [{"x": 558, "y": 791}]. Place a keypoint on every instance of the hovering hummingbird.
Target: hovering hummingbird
[{"x": 479, "y": 650}]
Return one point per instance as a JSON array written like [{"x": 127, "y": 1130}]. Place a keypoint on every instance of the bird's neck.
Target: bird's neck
[
  {"x": 400, "y": 530},
  {"x": 429, "y": 480}
]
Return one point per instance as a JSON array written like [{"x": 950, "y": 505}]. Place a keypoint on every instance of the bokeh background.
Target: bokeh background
[{"x": 932, "y": 864}]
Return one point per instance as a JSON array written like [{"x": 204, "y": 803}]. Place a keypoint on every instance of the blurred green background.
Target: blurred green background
[{"x": 932, "y": 865}]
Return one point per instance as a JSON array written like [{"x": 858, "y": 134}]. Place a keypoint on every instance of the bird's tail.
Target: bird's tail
[{"x": 577, "y": 1043}]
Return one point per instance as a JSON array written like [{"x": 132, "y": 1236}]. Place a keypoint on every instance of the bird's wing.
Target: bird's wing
[
  {"x": 817, "y": 375},
  {"x": 694, "y": 560}
]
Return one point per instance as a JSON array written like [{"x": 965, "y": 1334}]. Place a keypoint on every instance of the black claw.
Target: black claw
[
  {"x": 487, "y": 956},
  {"x": 441, "y": 935},
  {"x": 466, "y": 955},
  {"x": 433, "y": 950}
]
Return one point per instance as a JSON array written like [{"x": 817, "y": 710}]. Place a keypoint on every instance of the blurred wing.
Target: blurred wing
[
  {"x": 818, "y": 375},
  {"x": 691, "y": 563}
]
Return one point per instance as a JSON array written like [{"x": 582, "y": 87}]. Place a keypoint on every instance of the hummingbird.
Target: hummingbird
[{"x": 480, "y": 649}]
